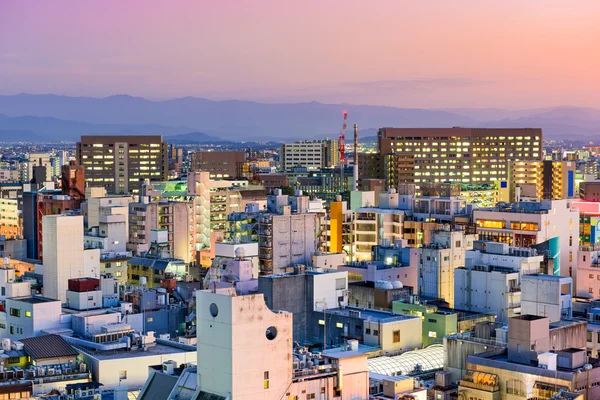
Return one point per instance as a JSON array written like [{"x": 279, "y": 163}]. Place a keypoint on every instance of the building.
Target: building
[
  {"x": 436, "y": 323},
  {"x": 438, "y": 262},
  {"x": 286, "y": 238},
  {"x": 152, "y": 267},
  {"x": 39, "y": 160},
  {"x": 539, "y": 180},
  {"x": 121, "y": 163},
  {"x": 311, "y": 154},
  {"x": 547, "y": 296},
  {"x": 539, "y": 363},
  {"x": 465, "y": 155},
  {"x": 527, "y": 224},
  {"x": 12, "y": 285},
  {"x": 10, "y": 218},
  {"x": 28, "y": 316},
  {"x": 588, "y": 272},
  {"x": 263, "y": 364},
  {"x": 64, "y": 257},
  {"x": 490, "y": 281},
  {"x": 589, "y": 191},
  {"x": 219, "y": 164}
]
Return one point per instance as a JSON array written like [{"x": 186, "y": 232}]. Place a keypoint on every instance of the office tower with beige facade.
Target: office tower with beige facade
[
  {"x": 219, "y": 164},
  {"x": 121, "y": 163},
  {"x": 462, "y": 155}
]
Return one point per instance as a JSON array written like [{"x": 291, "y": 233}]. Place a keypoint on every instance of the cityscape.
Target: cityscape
[{"x": 208, "y": 202}]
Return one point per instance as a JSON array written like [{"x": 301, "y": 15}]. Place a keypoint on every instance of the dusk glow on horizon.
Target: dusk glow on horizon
[{"x": 467, "y": 53}]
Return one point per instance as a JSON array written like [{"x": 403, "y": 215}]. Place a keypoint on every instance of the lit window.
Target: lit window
[{"x": 28, "y": 314}]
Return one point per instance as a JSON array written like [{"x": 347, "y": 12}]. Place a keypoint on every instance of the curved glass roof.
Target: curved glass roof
[{"x": 422, "y": 360}]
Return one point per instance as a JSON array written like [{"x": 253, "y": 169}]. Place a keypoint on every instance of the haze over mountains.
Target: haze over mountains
[{"x": 51, "y": 117}]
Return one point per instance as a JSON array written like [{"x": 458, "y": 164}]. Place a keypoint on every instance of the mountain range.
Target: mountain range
[{"x": 30, "y": 117}]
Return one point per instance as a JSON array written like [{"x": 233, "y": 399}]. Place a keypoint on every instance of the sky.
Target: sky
[{"x": 406, "y": 53}]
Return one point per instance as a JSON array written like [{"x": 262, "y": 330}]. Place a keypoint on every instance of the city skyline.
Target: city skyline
[{"x": 467, "y": 54}]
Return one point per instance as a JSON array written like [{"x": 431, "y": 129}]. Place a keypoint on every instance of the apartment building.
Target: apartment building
[
  {"x": 465, "y": 155},
  {"x": 537, "y": 180},
  {"x": 311, "y": 154},
  {"x": 10, "y": 219},
  {"x": 121, "y": 163}
]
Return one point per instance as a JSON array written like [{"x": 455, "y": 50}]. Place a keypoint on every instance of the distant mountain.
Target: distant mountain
[
  {"x": 243, "y": 120},
  {"x": 197, "y": 120},
  {"x": 195, "y": 137},
  {"x": 49, "y": 128}
]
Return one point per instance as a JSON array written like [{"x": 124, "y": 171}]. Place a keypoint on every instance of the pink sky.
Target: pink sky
[{"x": 458, "y": 53}]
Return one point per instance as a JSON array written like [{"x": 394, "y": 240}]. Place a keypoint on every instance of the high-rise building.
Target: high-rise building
[
  {"x": 463, "y": 155},
  {"x": 220, "y": 164},
  {"x": 121, "y": 163},
  {"x": 63, "y": 253},
  {"x": 539, "y": 180},
  {"x": 311, "y": 154},
  {"x": 39, "y": 160}
]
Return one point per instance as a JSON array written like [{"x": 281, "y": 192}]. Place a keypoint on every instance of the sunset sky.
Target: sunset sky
[{"x": 433, "y": 54}]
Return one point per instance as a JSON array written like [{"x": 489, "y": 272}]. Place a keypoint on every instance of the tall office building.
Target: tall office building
[
  {"x": 63, "y": 253},
  {"x": 465, "y": 155},
  {"x": 311, "y": 154},
  {"x": 219, "y": 164},
  {"x": 121, "y": 163}
]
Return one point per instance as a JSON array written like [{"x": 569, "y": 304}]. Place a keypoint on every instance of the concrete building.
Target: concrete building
[
  {"x": 588, "y": 272},
  {"x": 12, "y": 285},
  {"x": 311, "y": 154},
  {"x": 176, "y": 218},
  {"x": 259, "y": 345},
  {"x": 28, "y": 316},
  {"x": 438, "y": 261},
  {"x": 63, "y": 253},
  {"x": 436, "y": 324},
  {"x": 219, "y": 164},
  {"x": 38, "y": 160},
  {"x": 466, "y": 155},
  {"x": 15, "y": 249},
  {"x": 527, "y": 224},
  {"x": 589, "y": 191},
  {"x": 121, "y": 163},
  {"x": 286, "y": 238},
  {"x": 547, "y": 296},
  {"x": 490, "y": 281},
  {"x": 539, "y": 363}
]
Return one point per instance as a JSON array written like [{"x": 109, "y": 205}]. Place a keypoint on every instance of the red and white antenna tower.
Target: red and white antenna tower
[{"x": 342, "y": 140}]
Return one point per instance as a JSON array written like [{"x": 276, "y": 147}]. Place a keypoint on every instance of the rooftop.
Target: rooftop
[
  {"x": 370, "y": 314},
  {"x": 157, "y": 350},
  {"x": 33, "y": 299},
  {"x": 48, "y": 346}
]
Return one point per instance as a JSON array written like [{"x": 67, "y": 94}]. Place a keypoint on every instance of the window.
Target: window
[
  {"x": 90, "y": 298},
  {"x": 367, "y": 331},
  {"x": 339, "y": 325},
  {"x": 310, "y": 396},
  {"x": 321, "y": 322},
  {"x": 590, "y": 290},
  {"x": 14, "y": 360},
  {"x": 432, "y": 334},
  {"x": 323, "y": 390},
  {"x": 375, "y": 332},
  {"x": 591, "y": 276},
  {"x": 570, "y": 255},
  {"x": 28, "y": 314},
  {"x": 340, "y": 284},
  {"x": 266, "y": 379},
  {"x": 396, "y": 338},
  {"x": 15, "y": 312},
  {"x": 570, "y": 240}
]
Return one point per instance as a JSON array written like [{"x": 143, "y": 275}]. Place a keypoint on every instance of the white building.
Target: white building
[
  {"x": 27, "y": 316},
  {"x": 257, "y": 344},
  {"x": 490, "y": 282},
  {"x": 63, "y": 254},
  {"x": 438, "y": 261},
  {"x": 10, "y": 286},
  {"x": 529, "y": 223},
  {"x": 547, "y": 296}
]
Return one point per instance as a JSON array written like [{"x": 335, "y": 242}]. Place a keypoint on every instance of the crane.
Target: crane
[{"x": 342, "y": 147}]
